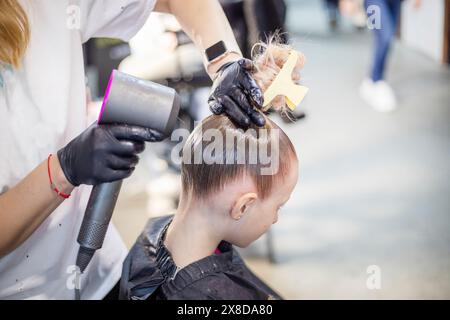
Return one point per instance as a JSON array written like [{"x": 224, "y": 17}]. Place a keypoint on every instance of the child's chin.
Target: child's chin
[{"x": 243, "y": 245}]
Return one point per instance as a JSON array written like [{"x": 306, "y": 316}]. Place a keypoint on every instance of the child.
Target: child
[{"x": 229, "y": 197}]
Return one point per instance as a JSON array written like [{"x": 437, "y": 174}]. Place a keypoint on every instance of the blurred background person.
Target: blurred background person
[
  {"x": 374, "y": 89},
  {"x": 332, "y": 7}
]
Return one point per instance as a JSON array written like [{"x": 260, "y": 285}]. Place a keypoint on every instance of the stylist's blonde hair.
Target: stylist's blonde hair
[{"x": 14, "y": 32}]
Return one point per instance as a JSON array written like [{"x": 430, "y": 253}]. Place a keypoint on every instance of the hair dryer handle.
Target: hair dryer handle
[{"x": 98, "y": 213}]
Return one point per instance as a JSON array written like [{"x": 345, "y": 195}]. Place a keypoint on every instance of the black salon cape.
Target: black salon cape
[{"x": 150, "y": 273}]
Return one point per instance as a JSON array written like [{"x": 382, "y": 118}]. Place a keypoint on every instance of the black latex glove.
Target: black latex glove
[
  {"x": 104, "y": 153},
  {"x": 235, "y": 93}
]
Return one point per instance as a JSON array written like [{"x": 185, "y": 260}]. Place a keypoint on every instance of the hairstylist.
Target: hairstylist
[{"x": 43, "y": 112}]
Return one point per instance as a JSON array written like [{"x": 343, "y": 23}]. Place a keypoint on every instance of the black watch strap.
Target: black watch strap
[{"x": 215, "y": 51}]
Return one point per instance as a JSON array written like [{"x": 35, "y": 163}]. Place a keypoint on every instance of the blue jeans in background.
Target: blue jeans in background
[{"x": 389, "y": 14}]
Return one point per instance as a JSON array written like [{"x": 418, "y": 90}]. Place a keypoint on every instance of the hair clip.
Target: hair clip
[{"x": 283, "y": 85}]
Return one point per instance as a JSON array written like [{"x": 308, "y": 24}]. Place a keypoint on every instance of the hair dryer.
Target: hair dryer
[{"x": 133, "y": 101}]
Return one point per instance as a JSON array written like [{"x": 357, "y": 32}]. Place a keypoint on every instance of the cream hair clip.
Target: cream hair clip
[{"x": 283, "y": 85}]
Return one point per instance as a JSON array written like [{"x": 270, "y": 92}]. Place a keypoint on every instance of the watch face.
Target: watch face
[{"x": 215, "y": 50}]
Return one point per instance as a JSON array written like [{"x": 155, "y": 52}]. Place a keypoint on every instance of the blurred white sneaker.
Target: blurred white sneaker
[{"x": 378, "y": 95}]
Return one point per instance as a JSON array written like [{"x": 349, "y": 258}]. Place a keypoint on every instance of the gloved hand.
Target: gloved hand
[
  {"x": 235, "y": 93},
  {"x": 104, "y": 153}
]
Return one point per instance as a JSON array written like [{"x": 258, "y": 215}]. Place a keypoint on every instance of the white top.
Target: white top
[{"x": 43, "y": 107}]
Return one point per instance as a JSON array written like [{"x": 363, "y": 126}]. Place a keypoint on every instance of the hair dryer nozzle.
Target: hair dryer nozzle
[{"x": 138, "y": 102}]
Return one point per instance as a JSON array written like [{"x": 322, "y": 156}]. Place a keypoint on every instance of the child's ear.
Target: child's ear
[{"x": 242, "y": 204}]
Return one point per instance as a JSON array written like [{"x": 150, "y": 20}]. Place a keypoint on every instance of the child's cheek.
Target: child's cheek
[
  {"x": 262, "y": 219},
  {"x": 267, "y": 222}
]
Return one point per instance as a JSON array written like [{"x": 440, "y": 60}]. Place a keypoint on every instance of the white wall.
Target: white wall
[{"x": 423, "y": 28}]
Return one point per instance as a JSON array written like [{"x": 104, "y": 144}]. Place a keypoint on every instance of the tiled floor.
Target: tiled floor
[{"x": 374, "y": 188}]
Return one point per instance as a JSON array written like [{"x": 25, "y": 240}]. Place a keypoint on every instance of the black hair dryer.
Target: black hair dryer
[{"x": 132, "y": 101}]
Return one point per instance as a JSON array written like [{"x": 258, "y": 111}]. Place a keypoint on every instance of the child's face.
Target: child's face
[{"x": 260, "y": 216}]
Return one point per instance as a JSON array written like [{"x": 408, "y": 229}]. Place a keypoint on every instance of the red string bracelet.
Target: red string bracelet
[{"x": 52, "y": 185}]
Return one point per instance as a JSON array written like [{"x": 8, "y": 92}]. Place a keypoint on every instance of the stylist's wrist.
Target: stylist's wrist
[
  {"x": 59, "y": 178},
  {"x": 213, "y": 67}
]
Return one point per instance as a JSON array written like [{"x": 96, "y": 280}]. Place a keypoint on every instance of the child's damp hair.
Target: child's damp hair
[
  {"x": 265, "y": 155},
  {"x": 201, "y": 179}
]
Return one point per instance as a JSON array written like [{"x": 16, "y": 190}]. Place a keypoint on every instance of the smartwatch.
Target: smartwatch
[{"x": 216, "y": 51}]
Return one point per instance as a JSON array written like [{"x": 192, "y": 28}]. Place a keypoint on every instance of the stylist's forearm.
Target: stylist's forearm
[
  {"x": 205, "y": 23},
  {"x": 28, "y": 204}
]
